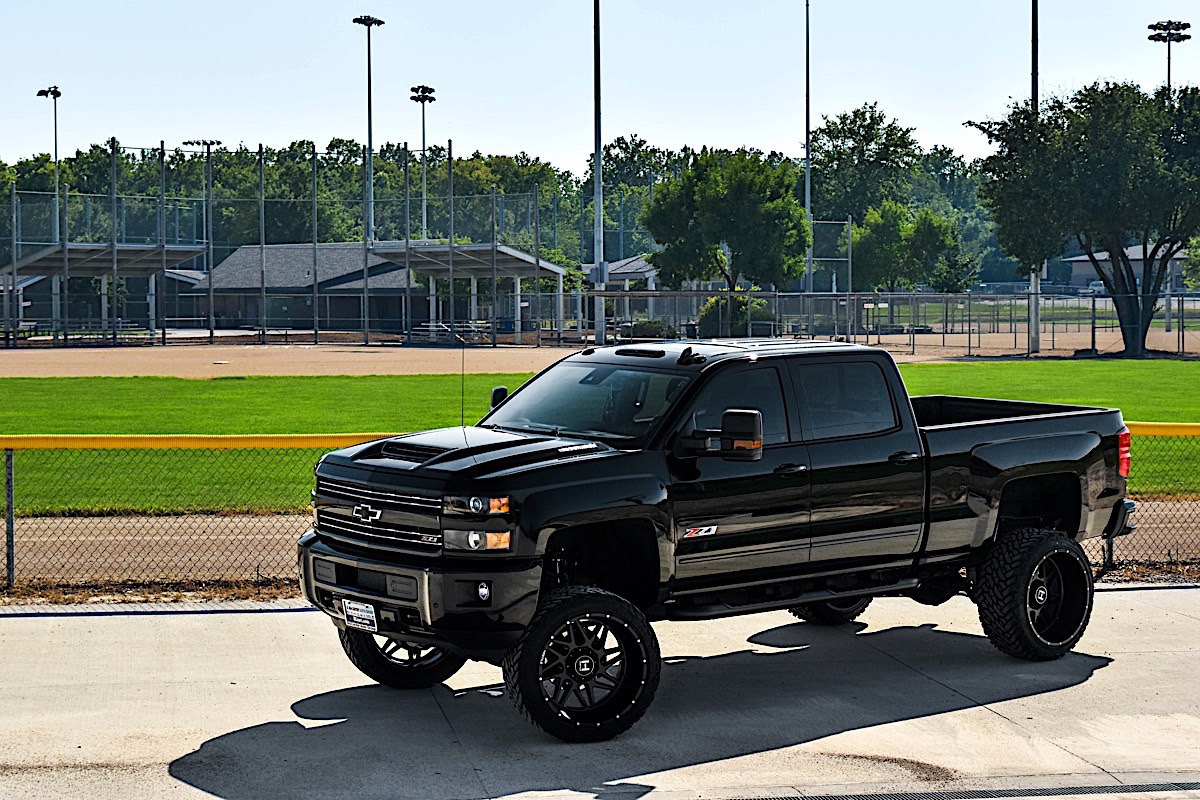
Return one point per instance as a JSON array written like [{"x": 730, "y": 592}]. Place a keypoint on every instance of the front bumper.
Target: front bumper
[{"x": 425, "y": 604}]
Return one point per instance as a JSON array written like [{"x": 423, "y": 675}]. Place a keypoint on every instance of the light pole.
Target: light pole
[
  {"x": 1034, "y": 334},
  {"x": 1169, "y": 31},
  {"x": 208, "y": 145},
  {"x": 424, "y": 95},
  {"x": 598, "y": 191},
  {"x": 369, "y": 22},
  {"x": 808, "y": 259},
  {"x": 53, "y": 93}
]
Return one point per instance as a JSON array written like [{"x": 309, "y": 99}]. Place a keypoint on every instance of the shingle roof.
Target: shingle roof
[
  {"x": 290, "y": 266},
  {"x": 630, "y": 268},
  {"x": 339, "y": 265},
  {"x": 1133, "y": 253}
]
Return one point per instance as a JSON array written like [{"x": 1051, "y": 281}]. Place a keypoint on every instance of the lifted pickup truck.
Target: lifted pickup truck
[{"x": 696, "y": 480}]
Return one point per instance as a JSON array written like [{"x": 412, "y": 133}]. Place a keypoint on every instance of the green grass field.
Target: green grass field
[{"x": 180, "y": 481}]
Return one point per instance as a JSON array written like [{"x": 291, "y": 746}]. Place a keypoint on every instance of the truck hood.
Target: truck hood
[{"x": 470, "y": 451}]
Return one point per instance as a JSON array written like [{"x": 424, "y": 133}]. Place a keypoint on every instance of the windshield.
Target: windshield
[{"x": 620, "y": 405}]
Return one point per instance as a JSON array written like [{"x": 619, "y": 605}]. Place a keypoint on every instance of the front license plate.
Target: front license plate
[{"x": 360, "y": 615}]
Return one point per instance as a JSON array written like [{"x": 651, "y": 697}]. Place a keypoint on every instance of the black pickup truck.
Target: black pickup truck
[{"x": 696, "y": 480}]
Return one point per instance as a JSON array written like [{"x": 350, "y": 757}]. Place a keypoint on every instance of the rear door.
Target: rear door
[
  {"x": 865, "y": 457},
  {"x": 735, "y": 519}
]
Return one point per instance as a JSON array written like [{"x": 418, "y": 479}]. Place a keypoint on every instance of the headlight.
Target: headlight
[
  {"x": 475, "y": 506},
  {"x": 477, "y": 541}
]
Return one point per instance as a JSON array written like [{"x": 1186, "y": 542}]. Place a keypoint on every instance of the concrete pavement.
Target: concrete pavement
[{"x": 911, "y": 699}]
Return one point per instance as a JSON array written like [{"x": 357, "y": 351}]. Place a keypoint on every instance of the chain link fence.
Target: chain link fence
[{"x": 94, "y": 510}]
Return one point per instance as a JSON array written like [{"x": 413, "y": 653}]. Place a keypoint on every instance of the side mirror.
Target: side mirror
[
  {"x": 741, "y": 435},
  {"x": 499, "y": 394}
]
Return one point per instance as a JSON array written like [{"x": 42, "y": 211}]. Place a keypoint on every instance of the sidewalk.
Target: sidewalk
[{"x": 257, "y": 701}]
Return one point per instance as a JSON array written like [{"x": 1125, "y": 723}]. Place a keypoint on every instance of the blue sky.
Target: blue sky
[{"x": 516, "y": 75}]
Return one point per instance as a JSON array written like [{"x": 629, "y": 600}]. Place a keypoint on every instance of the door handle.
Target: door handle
[
  {"x": 903, "y": 457},
  {"x": 791, "y": 469}
]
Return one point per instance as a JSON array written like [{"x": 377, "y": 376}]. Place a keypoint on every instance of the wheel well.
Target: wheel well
[
  {"x": 620, "y": 557},
  {"x": 1045, "y": 501}
]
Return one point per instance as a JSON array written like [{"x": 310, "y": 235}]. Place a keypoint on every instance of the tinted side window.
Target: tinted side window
[
  {"x": 758, "y": 388},
  {"x": 848, "y": 399}
]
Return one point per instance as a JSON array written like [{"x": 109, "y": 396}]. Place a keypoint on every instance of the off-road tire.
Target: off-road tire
[
  {"x": 832, "y": 612},
  {"x": 1035, "y": 594},
  {"x": 586, "y": 668},
  {"x": 382, "y": 661}
]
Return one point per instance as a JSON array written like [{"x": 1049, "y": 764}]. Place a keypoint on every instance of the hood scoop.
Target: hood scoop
[{"x": 410, "y": 451}]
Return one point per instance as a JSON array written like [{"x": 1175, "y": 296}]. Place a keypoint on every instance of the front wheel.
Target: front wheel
[
  {"x": 587, "y": 666},
  {"x": 399, "y": 664},
  {"x": 1035, "y": 594},
  {"x": 832, "y": 612}
]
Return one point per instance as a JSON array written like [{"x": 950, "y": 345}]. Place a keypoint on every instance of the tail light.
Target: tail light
[{"x": 1124, "y": 453}]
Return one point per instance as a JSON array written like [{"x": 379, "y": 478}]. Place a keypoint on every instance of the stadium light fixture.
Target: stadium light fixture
[
  {"x": 424, "y": 95},
  {"x": 369, "y": 22},
  {"x": 1169, "y": 31},
  {"x": 53, "y": 93}
]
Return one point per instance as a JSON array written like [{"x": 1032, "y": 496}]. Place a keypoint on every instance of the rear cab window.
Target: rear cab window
[{"x": 844, "y": 398}]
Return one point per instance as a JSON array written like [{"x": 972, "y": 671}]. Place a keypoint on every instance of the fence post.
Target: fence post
[
  {"x": 9, "y": 521},
  {"x": 1110, "y": 560}
]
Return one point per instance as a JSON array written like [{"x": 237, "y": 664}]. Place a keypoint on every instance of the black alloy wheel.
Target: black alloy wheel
[
  {"x": 1035, "y": 594},
  {"x": 587, "y": 667},
  {"x": 397, "y": 663}
]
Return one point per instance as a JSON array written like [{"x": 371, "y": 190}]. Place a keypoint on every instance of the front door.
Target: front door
[{"x": 745, "y": 517}]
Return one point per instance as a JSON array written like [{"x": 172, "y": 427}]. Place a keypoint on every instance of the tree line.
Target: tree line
[
  {"x": 861, "y": 159},
  {"x": 1093, "y": 172}
]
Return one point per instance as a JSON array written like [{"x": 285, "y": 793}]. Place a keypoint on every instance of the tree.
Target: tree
[
  {"x": 737, "y": 200},
  {"x": 1108, "y": 167},
  {"x": 881, "y": 247},
  {"x": 860, "y": 159},
  {"x": 1191, "y": 265},
  {"x": 956, "y": 269},
  {"x": 897, "y": 247}
]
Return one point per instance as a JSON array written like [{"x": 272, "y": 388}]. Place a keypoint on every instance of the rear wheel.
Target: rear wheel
[
  {"x": 399, "y": 664},
  {"x": 587, "y": 666},
  {"x": 1035, "y": 594},
  {"x": 832, "y": 612}
]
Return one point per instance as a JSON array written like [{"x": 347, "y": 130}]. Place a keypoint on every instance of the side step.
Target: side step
[{"x": 719, "y": 610}]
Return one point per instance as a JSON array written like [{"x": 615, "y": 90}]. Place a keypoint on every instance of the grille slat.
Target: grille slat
[
  {"x": 358, "y": 493},
  {"x": 377, "y": 533}
]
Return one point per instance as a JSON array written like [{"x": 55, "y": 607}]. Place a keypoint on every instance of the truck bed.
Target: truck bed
[
  {"x": 976, "y": 445},
  {"x": 938, "y": 409}
]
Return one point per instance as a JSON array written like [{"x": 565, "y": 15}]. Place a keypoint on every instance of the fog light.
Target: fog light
[
  {"x": 484, "y": 591},
  {"x": 477, "y": 541}
]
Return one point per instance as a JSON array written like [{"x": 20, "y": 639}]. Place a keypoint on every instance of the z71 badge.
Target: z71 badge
[{"x": 708, "y": 530}]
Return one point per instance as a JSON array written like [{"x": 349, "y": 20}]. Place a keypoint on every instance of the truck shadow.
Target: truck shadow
[{"x": 814, "y": 683}]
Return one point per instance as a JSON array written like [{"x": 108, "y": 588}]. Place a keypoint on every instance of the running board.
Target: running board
[{"x": 719, "y": 610}]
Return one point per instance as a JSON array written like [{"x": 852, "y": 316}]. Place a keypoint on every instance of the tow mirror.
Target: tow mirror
[
  {"x": 499, "y": 394},
  {"x": 741, "y": 435}
]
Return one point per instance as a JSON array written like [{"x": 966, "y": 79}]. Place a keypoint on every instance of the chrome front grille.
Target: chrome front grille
[
  {"x": 350, "y": 492},
  {"x": 338, "y": 524}
]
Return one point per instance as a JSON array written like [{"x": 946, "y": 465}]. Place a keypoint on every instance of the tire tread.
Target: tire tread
[{"x": 999, "y": 576}]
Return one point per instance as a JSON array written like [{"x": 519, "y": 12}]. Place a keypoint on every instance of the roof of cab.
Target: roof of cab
[{"x": 713, "y": 350}]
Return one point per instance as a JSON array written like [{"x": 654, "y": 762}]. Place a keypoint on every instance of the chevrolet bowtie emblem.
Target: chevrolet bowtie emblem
[{"x": 366, "y": 513}]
